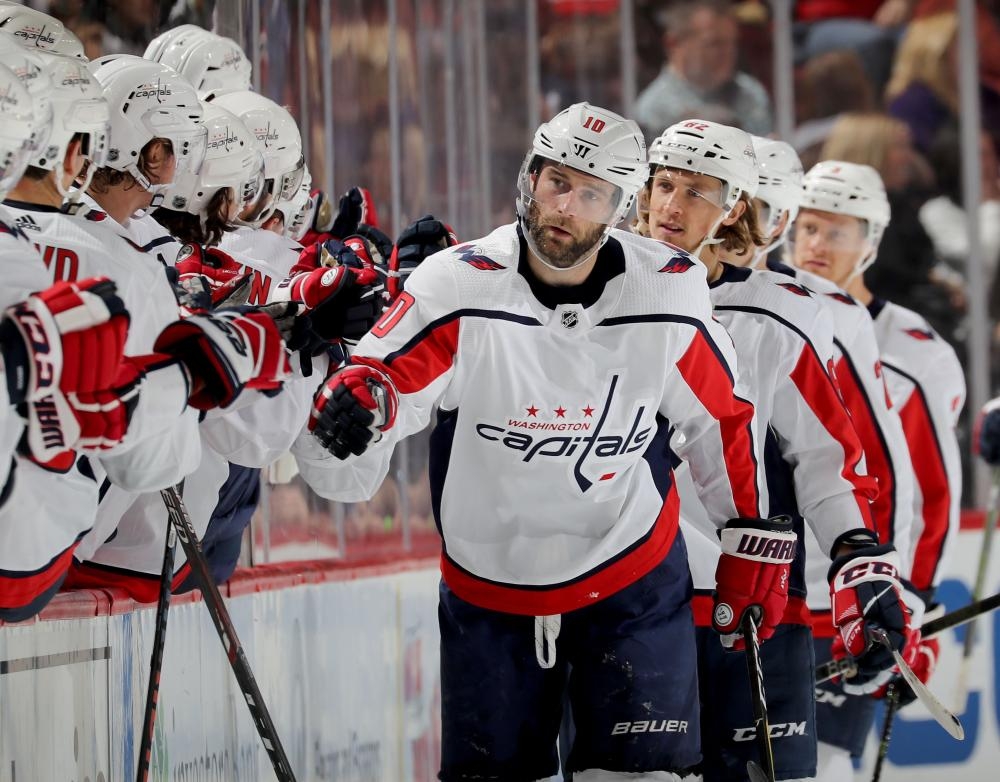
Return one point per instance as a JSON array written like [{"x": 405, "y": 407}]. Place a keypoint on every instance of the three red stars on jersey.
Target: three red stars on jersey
[{"x": 561, "y": 411}]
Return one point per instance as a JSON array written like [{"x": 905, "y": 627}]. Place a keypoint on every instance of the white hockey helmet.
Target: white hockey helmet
[
  {"x": 17, "y": 127},
  {"x": 851, "y": 189},
  {"x": 593, "y": 141},
  {"x": 213, "y": 64},
  {"x": 280, "y": 142},
  {"x": 161, "y": 42},
  {"x": 710, "y": 148},
  {"x": 232, "y": 159},
  {"x": 78, "y": 106},
  {"x": 779, "y": 177},
  {"x": 36, "y": 30},
  {"x": 149, "y": 100},
  {"x": 28, "y": 67},
  {"x": 302, "y": 209}
]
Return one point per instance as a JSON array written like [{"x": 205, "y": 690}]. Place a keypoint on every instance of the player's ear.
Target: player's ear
[
  {"x": 74, "y": 159},
  {"x": 738, "y": 209}
]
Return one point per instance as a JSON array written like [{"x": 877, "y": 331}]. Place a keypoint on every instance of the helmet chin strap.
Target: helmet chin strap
[{"x": 710, "y": 238}]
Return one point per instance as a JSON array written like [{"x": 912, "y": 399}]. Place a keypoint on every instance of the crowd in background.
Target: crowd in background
[{"x": 875, "y": 83}]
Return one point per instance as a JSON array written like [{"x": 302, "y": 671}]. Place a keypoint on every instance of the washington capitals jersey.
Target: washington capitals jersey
[
  {"x": 859, "y": 376},
  {"x": 814, "y": 461},
  {"x": 550, "y": 467},
  {"x": 927, "y": 387},
  {"x": 253, "y": 432}
]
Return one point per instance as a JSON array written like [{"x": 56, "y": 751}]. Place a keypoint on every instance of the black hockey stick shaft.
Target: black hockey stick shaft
[
  {"x": 891, "y": 707},
  {"x": 952, "y": 619},
  {"x": 188, "y": 538},
  {"x": 156, "y": 657},
  {"x": 758, "y": 700}
]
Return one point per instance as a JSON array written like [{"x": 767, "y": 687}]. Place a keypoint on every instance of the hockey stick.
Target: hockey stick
[
  {"x": 181, "y": 522},
  {"x": 944, "y": 718},
  {"x": 962, "y": 689},
  {"x": 956, "y": 618},
  {"x": 755, "y": 673},
  {"x": 892, "y": 705},
  {"x": 156, "y": 657}
]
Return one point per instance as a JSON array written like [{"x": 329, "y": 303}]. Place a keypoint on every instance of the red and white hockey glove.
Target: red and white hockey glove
[
  {"x": 63, "y": 341},
  {"x": 418, "y": 240},
  {"x": 226, "y": 352},
  {"x": 866, "y": 592},
  {"x": 752, "y": 575},
  {"x": 209, "y": 270},
  {"x": 352, "y": 409}
]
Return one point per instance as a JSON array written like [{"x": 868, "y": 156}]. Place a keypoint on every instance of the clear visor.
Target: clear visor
[
  {"x": 90, "y": 117},
  {"x": 289, "y": 183},
  {"x": 252, "y": 187},
  {"x": 814, "y": 234},
  {"x": 673, "y": 184},
  {"x": 558, "y": 188},
  {"x": 189, "y": 139},
  {"x": 258, "y": 210}
]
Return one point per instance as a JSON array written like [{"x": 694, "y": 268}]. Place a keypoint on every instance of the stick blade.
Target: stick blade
[
  {"x": 756, "y": 773},
  {"x": 937, "y": 710}
]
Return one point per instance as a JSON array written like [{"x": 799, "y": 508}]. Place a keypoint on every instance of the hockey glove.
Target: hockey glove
[
  {"x": 417, "y": 241},
  {"x": 226, "y": 352},
  {"x": 986, "y": 433},
  {"x": 752, "y": 575},
  {"x": 356, "y": 207},
  {"x": 866, "y": 592},
  {"x": 65, "y": 340},
  {"x": 352, "y": 409}
]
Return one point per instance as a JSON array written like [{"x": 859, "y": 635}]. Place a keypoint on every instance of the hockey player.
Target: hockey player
[
  {"x": 222, "y": 493},
  {"x": 555, "y": 498},
  {"x": 703, "y": 177},
  {"x": 836, "y": 235},
  {"x": 82, "y": 244}
]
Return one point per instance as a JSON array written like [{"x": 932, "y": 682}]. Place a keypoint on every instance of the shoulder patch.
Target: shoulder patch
[
  {"x": 12, "y": 230},
  {"x": 678, "y": 265},
  {"x": 843, "y": 298},
  {"x": 96, "y": 216},
  {"x": 923, "y": 335},
  {"x": 792, "y": 287},
  {"x": 467, "y": 254}
]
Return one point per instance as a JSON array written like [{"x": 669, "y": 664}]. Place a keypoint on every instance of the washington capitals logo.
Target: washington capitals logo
[
  {"x": 843, "y": 298},
  {"x": 158, "y": 91},
  {"x": 921, "y": 334},
  {"x": 266, "y": 136},
  {"x": 798, "y": 290},
  {"x": 678, "y": 265},
  {"x": 467, "y": 254},
  {"x": 223, "y": 140}
]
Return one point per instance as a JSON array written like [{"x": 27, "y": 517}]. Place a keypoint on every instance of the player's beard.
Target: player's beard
[{"x": 561, "y": 255}]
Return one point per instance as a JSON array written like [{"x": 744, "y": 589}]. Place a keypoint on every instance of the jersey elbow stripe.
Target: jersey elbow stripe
[
  {"x": 935, "y": 490},
  {"x": 19, "y": 589},
  {"x": 707, "y": 375},
  {"x": 609, "y": 577},
  {"x": 877, "y": 456},
  {"x": 816, "y": 388}
]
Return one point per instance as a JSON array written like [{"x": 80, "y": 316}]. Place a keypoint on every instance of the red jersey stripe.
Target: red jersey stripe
[
  {"x": 818, "y": 391},
  {"x": 703, "y": 371},
  {"x": 612, "y": 577},
  {"x": 932, "y": 478}
]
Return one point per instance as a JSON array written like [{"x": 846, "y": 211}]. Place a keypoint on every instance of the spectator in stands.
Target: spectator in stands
[
  {"x": 943, "y": 216},
  {"x": 923, "y": 90},
  {"x": 829, "y": 85},
  {"x": 905, "y": 268},
  {"x": 699, "y": 77},
  {"x": 869, "y": 27}
]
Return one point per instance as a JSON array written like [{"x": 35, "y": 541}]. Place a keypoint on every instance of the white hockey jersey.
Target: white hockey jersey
[
  {"x": 927, "y": 387},
  {"x": 550, "y": 468},
  {"x": 254, "y": 432},
  {"x": 162, "y": 445},
  {"x": 813, "y": 459}
]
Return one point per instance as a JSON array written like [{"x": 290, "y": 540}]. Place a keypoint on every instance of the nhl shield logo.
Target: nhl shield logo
[{"x": 570, "y": 318}]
